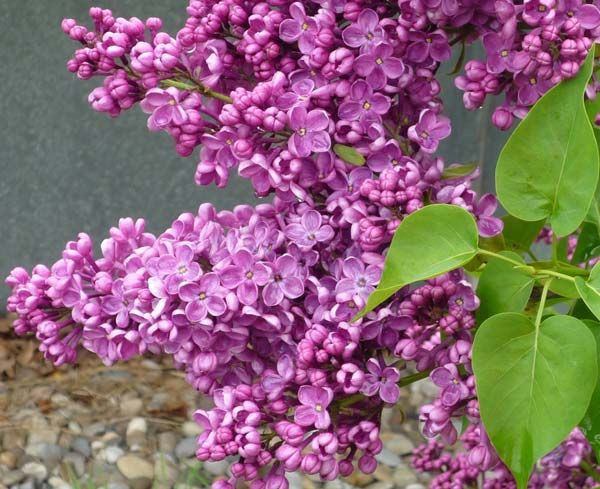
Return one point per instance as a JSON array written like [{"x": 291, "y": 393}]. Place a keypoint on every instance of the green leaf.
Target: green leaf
[
  {"x": 519, "y": 235},
  {"x": 589, "y": 290},
  {"x": 590, "y": 425},
  {"x": 431, "y": 241},
  {"x": 581, "y": 311},
  {"x": 502, "y": 288},
  {"x": 592, "y": 108},
  {"x": 459, "y": 171},
  {"x": 349, "y": 154},
  {"x": 564, "y": 288},
  {"x": 549, "y": 166},
  {"x": 587, "y": 242},
  {"x": 534, "y": 385}
]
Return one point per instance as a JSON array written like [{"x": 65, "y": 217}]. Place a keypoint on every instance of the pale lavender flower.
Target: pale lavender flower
[
  {"x": 299, "y": 28},
  {"x": 310, "y": 230},
  {"x": 382, "y": 380},
  {"x": 365, "y": 32},
  {"x": 358, "y": 282},
  {"x": 487, "y": 224},
  {"x": 164, "y": 107},
  {"x": 310, "y": 131},
  {"x": 378, "y": 65},
  {"x": 363, "y": 104},
  {"x": 245, "y": 275},
  {"x": 284, "y": 281},
  {"x": 313, "y": 408},
  {"x": 429, "y": 130},
  {"x": 453, "y": 389},
  {"x": 203, "y": 298}
]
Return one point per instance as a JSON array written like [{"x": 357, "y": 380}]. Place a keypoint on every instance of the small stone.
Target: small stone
[
  {"x": 388, "y": 458},
  {"x": 415, "y": 486},
  {"x": 131, "y": 407},
  {"x": 383, "y": 473},
  {"x": 13, "y": 477},
  {"x": 42, "y": 433},
  {"x": 360, "y": 479},
  {"x": 94, "y": 429},
  {"x": 14, "y": 438},
  {"x": 382, "y": 485},
  {"x": 167, "y": 441},
  {"x": 58, "y": 483},
  {"x": 404, "y": 476},
  {"x": 186, "y": 448},
  {"x": 97, "y": 446},
  {"x": 137, "y": 424},
  {"x": 28, "y": 484},
  {"x": 74, "y": 427},
  {"x": 190, "y": 428},
  {"x": 73, "y": 465},
  {"x": 82, "y": 445},
  {"x": 35, "y": 470},
  {"x": 397, "y": 443},
  {"x": 50, "y": 455},
  {"x": 8, "y": 460},
  {"x": 110, "y": 438},
  {"x": 136, "y": 434},
  {"x": 216, "y": 468},
  {"x": 60, "y": 400},
  {"x": 117, "y": 485},
  {"x": 308, "y": 484},
  {"x": 112, "y": 454},
  {"x": 165, "y": 473},
  {"x": 294, "y": 480},
  {"x": 337, "y": 484},
  {"x": 136, "y": 470}
]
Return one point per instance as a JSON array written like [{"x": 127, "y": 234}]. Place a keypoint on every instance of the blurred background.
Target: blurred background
[{"x": 64, "y": 169}]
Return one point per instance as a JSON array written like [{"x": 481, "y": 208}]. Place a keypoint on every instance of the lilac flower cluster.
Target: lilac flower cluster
[{"x": 332, "y": 109}]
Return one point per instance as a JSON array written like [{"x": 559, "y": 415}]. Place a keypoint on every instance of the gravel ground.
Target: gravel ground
[{"x": 129, "y": 426}]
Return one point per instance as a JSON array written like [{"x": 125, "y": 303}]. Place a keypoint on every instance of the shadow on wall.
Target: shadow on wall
[{"x": 66, "y": 168}]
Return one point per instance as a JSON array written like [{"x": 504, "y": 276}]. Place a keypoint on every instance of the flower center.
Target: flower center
[
  {"x": 424, "y": 134},
  {"x": 379, "y": 61},
  {"x": 532, "y": 81},
  {"x": 304, "y": 26},
  {"x": 172, "y": 102},
  {"x": 249, "y": 275},
  {"x": 541, "y": 8},
  {"x": 229, "y": 141},
  {"x": 302, "y": 131},
  {"x": 367, "y": 105},
  {"x": 362, "y": 282},
  {"x": 570, "y": 13},
  {"x": 311, "y": 236},
  {"x": 504, "y": 53},
  {"x": 182, "y": 269},
  {"x": 369, "y": 36},
  {"x": 202, "y": 296},
  {"x": 394, "y": 162},
  {"x": 459, "y": 301},
  {"x": 428, "y": 40},
  {"x": 318, "y": 408},
  {"x": 277, "y": 277}
]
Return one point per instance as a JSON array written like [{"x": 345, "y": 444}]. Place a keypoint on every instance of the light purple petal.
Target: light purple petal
[
  {"x": 290, "y": 30},
  {"x": 320, "y": 141},
  {"x": 272, "y": 294},
  {"x": 305, "y": 415},
  {"x": 389, "y": 392},
  {"x": 292, "y": 287}
]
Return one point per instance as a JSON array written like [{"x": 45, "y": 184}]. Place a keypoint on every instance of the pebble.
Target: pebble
[
  {"x": 73, "y": 464},
  {"x": 94, "y": 429},
  {"x": 382, "y": 485},
  {"x": 167, "y": 441},
  {"x": 112, "y": 454},
  {"x": 415, "y": 486},
  {"x": 28, "y": 484},
  {"x": 74, "y": 427},
  {"x": 388, "y": 458},
  {"x": 117, "y": 485},
  {"x": 337, "y": 484},
  {"x": 186, "y": 448},
  {"x": 191, "y": 428},
  {"x": 82, "y": 445},
  {"x": 36, "y": 470},
  {"x": 136, "y": 434},
  {"x": 137, "y": 471},
  {"x": 58, "y": 483},
  {"x": 360, "y": 479},
  {"x": 397, "y": 443},
  {"x": 404, "y": 476},
  {"x": 13, "y": 477},
  {"x": 216, "y": 468},
  {"x": 8, "y": 460},
  {"x": 51, "y": 455},
  {"x": 110, "y": 438},
  {"x": 131, "y": 407}
]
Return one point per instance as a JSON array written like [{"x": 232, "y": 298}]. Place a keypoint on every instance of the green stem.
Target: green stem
[
  {"x": 542, "y": 305},
  {"x": 527, "y": 268},
  {"x": 589, "y": 470},
  {"x": 197, "y": 87}
]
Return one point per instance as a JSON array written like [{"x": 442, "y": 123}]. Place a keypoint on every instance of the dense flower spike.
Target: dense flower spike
[{"x": 255, "y": 305}]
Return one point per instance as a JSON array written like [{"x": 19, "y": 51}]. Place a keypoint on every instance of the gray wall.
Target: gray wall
[{"x": 65, "y": 168}]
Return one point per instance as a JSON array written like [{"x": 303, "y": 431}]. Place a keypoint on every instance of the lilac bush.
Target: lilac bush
[{"x": 331, "y": 108}]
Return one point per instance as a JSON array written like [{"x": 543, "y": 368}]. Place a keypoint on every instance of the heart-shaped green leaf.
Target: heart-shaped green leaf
[
  {"x": 590, "y": 424},
  {"x": 349, "y": 154},
  {"x": 549, "y": 166},
  {"x": 431, "y": 241},
  {"x": 502, "y": 288},
  {"x": 588, "y": 241},
  {"x": 534, "y": 385},
  {"x": 589, "y": 290}
]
